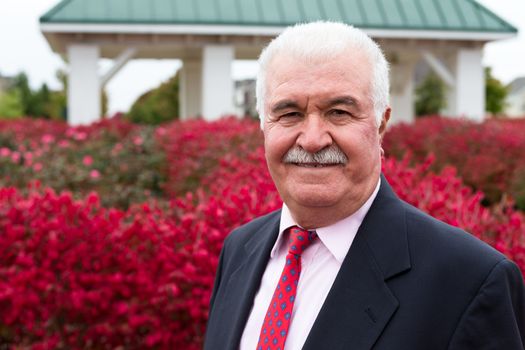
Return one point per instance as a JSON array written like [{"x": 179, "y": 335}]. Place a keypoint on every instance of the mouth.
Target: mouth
[{"x": 316, "y": 165}]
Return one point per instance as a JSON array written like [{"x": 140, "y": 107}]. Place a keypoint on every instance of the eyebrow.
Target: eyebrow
[
  {"x": 284, "y": 104},
  {"x": 291, "y": 104},
  {"x": 342, "y": 100}
]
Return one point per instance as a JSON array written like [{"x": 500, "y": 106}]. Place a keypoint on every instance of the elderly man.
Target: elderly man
[{"x": 345, "y": 264}]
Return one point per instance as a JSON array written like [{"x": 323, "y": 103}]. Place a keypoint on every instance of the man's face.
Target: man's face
[{"x": 313, "y": 106}]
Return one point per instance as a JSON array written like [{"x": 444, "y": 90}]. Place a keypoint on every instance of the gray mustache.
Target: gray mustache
[{"x": 328, "y": 155}]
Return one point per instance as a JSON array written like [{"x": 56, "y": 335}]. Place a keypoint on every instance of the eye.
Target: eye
[
  {"x": 289, "y": 118},
  {"x": 291, "y": 115},
  {"x": 338, "y": 113}
]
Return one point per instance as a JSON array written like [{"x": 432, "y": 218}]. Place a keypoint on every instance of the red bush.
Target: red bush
[
  {"x": 121, "y": 161},
  {"x": 489, "y": 155},
  {"x": 194, "y": 148}
]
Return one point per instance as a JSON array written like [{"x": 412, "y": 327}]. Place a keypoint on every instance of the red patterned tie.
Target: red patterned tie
[{"x": 279, "y": 314}]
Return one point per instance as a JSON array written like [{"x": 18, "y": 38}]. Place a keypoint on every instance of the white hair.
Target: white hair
[{"x": 323, "y": 40}]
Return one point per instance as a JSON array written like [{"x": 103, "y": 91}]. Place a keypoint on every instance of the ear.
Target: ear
[{"x": 384, "y": 122}]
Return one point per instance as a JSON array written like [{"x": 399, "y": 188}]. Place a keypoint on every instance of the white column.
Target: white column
[
  {"x": 467, "y": 97},
  {"x": 83, "y": 94},
  {"x": 190, "y": 89},
  {"x": 402, "y": 92},
  {"x": 217, "y": 83}
]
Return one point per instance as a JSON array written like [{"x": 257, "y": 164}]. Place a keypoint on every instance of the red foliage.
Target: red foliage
[
  {"x": 76, "y": 275},
  {"x": 38, "y": 132},
  {"x": 195, "y": 148},
  {"x": 119, "y": 160},
  {"x": 489, "y": 155}
]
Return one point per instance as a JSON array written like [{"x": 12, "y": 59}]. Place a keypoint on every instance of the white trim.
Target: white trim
[
  {"x": 437, "y": 34},
  {"x": 160, "y": 29},
  {"x": 259, "y": 30},
  {"x": 119, "y": 62},
  {"x": 439, "y": 68}
]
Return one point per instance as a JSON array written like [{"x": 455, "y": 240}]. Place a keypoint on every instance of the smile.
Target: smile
[{"x": 315, "y": 165}]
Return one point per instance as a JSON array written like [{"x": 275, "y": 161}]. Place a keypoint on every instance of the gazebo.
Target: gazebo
[{"x": 208, "y": 35}]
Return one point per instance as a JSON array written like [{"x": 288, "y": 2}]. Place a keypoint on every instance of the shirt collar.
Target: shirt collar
[{"x": 337, "y": 237}]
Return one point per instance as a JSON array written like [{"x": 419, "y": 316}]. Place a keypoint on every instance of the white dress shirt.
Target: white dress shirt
[{"x": 320, "y": 263}]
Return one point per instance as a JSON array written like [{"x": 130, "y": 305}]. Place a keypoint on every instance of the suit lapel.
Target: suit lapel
[
  {"x": 244, "y": 282},
  {"x": 360, "y": 303}
]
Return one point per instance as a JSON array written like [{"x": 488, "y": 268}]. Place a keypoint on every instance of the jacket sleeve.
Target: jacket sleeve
[{"x": 495, "y": 318}]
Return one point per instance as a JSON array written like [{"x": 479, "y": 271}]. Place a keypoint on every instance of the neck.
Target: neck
[{"x": 315, "y": 217}]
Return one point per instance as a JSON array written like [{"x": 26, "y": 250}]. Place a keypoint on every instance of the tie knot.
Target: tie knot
[{"x": 300, "y": 239}]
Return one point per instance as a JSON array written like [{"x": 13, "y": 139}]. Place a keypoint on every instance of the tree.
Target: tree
[
  {"x": 34, "y": 103},
  {"x": 21, "y": 84},
  {"x": 495, "y": 93},
  {"x": 430, "y": 95},
  {"x": 11, "y": 104},
  {"x": 157, "y": 105}
]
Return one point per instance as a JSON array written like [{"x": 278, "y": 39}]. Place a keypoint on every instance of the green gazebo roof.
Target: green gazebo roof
[{"x": 439, "y": 15}]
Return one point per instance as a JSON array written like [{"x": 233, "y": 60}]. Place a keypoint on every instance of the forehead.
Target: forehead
[{"x": 347, "y": 73}]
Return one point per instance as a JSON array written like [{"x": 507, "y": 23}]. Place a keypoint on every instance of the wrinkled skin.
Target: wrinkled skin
[{"x": 314, "y": 105}]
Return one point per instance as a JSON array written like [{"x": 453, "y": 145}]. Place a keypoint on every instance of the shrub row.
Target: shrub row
[
  {"x": 119, "y": 160},
  {"x": 489, "y": 155}
]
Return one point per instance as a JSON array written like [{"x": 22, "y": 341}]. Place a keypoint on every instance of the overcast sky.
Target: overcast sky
[{"x": 23, "y": 48}]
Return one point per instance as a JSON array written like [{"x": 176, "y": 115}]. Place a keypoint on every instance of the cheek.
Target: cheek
[
  {"x": 371, "y": 134},
  {"x": 360, "y": 148},
  {"x": 277, "y": 142}
]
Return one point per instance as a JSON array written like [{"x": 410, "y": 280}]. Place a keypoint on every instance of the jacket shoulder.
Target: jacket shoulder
[
  {"x": 244, "y": 233},
  {"x": 447, "y": 245}
]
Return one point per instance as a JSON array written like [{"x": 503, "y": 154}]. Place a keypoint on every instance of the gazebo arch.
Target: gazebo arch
[{"x": 207, "y": 35}]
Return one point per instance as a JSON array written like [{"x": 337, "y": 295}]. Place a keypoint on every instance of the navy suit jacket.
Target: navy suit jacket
[{"x": 408, "y": 282}]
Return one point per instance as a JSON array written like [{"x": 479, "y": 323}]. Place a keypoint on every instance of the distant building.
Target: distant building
[
  {"x": 245, "y": 97},
  {"x": 5, "y": 83},
  {"x": 516, "y": 98}
]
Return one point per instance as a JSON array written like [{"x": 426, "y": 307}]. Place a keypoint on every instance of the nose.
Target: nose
[{"x": 314, "y": 134}]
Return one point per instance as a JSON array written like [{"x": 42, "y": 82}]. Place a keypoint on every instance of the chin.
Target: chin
[{"x": 314, "y": 199}]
